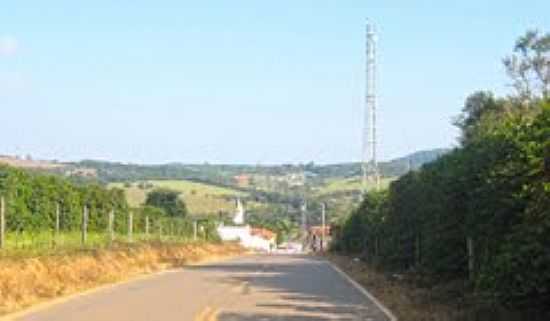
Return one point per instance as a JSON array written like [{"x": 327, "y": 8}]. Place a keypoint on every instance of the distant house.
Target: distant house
[
  {"x": 249, "y": 237},
  {"x": 242, "y": 180},
  {"x": 82, "y": 172},
  {"x": 315, "y": 238},
  {"x": 259, "y": 239},
  {"x": 265, "y": 234}
]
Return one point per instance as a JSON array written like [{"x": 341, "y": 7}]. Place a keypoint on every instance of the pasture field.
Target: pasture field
[
  {"x": 200, "y": 198},
  {"x": 344, "y": 194},
  {"x": 349, "y": 184}
]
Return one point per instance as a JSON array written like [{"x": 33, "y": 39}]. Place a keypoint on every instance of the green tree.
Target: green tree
[
  {"x": 477, "y": 105},
  {"x": 529, "y": 66},
  {"x": 168, "y": 200}
]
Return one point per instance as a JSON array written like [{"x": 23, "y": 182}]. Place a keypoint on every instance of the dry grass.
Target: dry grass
[
  {"x": 444, "y": 302},
  {"x": 29, "y": 164},
  {"x": 24, "y": 282},
  {"x": 407, "y": 302}
]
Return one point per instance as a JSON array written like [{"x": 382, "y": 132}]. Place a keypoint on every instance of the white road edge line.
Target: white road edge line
[{"x": 363, "y": 291}]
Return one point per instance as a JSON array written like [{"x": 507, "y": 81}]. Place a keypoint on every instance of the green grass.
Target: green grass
[
  {"x": 200, "y": 198},
  {"x": 29, "y": 244},
  {"x": 339, "y": 203},
  {"x": 349, "y": 184}
]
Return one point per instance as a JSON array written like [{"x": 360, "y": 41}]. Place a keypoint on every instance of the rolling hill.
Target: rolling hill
[{"x": 200, "y": 198}]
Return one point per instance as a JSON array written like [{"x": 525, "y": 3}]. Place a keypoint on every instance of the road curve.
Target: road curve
[{"x": 252, "y": 288}]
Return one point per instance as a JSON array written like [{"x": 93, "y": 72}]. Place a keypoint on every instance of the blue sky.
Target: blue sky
[{"x": 243, "y": 81}]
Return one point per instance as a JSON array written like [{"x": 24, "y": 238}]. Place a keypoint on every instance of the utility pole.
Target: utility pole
[
  {"x": 304, "y": 217},
  {"x": 304, "y": 226},
  {"x": 323, "y": 225},
  {"x": 370, "y": 164},
  {"x": 2, "y": 222}
]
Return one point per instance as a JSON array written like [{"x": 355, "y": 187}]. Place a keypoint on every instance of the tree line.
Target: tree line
[
  {"x": 33, "y": 199},
  {"x": 37, "y": 203},
  {"x": 481, "y": 212}
]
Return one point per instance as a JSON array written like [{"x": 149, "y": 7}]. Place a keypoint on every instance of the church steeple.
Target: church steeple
[{"x": 239, "y": 218}]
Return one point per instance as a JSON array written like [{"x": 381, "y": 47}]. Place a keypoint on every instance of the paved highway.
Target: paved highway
[{"x": 251, "y": 288}]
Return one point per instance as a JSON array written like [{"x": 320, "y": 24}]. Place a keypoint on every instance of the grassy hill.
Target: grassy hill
[
  {"x": 200, "y": 198},
  {"x": 343, "y": 194},
  {"x": 353, "y": 184}
]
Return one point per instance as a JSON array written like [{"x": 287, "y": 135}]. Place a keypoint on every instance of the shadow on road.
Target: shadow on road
[{"x": 291, "y": 289}]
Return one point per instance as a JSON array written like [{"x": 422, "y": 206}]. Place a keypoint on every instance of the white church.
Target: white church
[{"x": 257, "y": 239}]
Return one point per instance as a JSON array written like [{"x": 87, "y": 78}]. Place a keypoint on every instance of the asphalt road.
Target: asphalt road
[{"x": 252, "y": 288}]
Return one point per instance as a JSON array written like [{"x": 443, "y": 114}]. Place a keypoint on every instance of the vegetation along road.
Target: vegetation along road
[{"x": 292, "y": 288}]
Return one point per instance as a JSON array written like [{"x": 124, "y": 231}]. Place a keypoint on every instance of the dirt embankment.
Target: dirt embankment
[
  {"x": 407, "y": 303},
  {"x": 410, "y": 301},
  {"x": 28, "y": 281}
]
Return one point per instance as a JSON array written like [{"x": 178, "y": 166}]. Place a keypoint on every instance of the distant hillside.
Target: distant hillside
[
  {"x": 400, "y": 166},
  {"x": 120, "y": 172},
  {"x": 224, "y": 175},
  {"x": 29, "y": 163},
  {"x": 393, "y": 168}
]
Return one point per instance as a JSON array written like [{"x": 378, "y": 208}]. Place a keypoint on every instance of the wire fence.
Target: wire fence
[{"x": 102, "y": 230}]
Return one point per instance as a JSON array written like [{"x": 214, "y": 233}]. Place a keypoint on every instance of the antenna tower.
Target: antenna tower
[{"x": 371, "y": 173}]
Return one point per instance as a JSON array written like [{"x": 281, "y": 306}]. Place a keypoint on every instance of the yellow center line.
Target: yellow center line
[{"x": 207, "y": 314}]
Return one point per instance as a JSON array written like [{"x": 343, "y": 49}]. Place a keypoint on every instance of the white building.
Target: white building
[{"x": 248, "y": 237}]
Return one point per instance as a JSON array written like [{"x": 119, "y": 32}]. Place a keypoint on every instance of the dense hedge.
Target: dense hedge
[
  {"x": 494, "y": 191},
  {"x": 32, "y": 200}
]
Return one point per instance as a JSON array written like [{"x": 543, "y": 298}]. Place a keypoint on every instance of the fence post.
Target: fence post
[
  {"x": 418, "y": 250},
  {"x": 2, "y": 223},
  {"x": 195, "y": 228},
  {"x": 160, "y": 230},
  {"x": 172, "y": 229},
  {"x": 57, "y": 221},
  {"x": 147, "y": 227},
  {"x": 471, "y": 258},
  {"x": 130, "y": 226},
  {"x": 84, "y": 225},
  {"x": 111, "y": 226}
]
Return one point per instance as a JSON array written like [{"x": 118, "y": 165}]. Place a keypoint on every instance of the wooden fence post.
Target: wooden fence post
[
  {"x": 147, "y": 227},
  {"x": 130, "y": 226},
  {"x": 471, "y": 258},
  {"x": 172, "y": 229},
  {"x": 2, "y": 222},
  {"x": 160, "y": 230},
  {"x": 57, "y": 222},
  {"x": 418, "y": 250},
  {"x": 84, "y": 225},
  {"x": 111, "y": 226}
]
